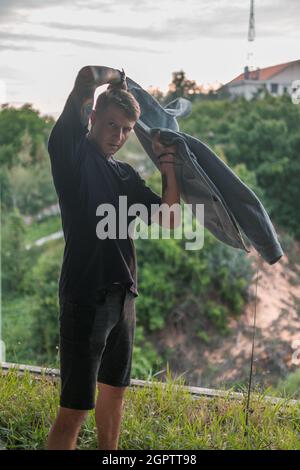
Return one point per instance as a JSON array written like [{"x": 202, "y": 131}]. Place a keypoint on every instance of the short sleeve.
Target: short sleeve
[
  {"x": 143, "y": 194},
  {"x": 63, "y": 145}
]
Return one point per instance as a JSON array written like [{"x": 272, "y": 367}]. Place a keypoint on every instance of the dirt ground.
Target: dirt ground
[{"x": 226, "y": 360}]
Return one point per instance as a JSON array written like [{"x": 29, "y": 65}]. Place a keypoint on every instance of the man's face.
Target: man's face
[{"x": 110, "y": 129}]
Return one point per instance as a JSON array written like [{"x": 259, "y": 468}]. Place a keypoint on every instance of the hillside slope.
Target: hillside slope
[{"x": 226, "y": 359}]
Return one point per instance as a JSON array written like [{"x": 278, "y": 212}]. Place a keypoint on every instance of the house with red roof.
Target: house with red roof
[{"x": 277, "y": 79}]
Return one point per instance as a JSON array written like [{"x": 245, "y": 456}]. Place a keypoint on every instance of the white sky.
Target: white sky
[{"x": 43, "y": 44}]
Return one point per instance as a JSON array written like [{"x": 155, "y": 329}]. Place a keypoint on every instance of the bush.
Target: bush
[
  {"x": 42, "y": 284},
  {"x": 290, "y": 386},
  {"x": 14, "y": 256}
]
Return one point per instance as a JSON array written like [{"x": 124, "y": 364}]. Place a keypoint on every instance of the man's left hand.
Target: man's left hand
[{"x": 158, "y": 148}]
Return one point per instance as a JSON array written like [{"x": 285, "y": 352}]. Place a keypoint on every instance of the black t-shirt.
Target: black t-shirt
[{"x": 84, "y": 179}]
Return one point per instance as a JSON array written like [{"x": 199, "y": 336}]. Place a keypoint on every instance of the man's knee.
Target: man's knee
[
  {"x": 110, "y": 391},
  {"x": 69, "y": 418}
]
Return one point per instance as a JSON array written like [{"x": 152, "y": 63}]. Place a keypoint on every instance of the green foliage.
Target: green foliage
[
  {"x": 42, "y": 283},
  {"x": 14, "y": 123},
  {"x": 166, "y": 273},
  {"x": 32, "y": 187},
  {"x": 290, "y": 385},
  {"x": 17, "y": 319},
  {"x": 145, "y": 358},
  {"x": 203, "y": 336},
  {"x": 231, "y": 273},
  {"x": 218, "y": 314},
  {"x": 169, "y": 274},
  {"x": 26, "y": 180},
  {"x": 14, "y": 258},
  {"x": 6, "y": 192}
]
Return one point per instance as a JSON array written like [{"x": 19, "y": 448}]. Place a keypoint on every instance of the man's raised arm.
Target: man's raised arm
[
  {"x": 88, "y": 79},
  {"x": 73, "y": 121},
  {"x": 170, "y": 188}
]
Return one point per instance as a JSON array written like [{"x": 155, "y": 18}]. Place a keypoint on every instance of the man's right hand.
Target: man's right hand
[
  {"x": 88, "y": 79},
  {"x": 120, "y": 84}
]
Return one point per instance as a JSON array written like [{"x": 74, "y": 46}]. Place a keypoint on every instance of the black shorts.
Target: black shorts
[{"x": 96, "y": 344}]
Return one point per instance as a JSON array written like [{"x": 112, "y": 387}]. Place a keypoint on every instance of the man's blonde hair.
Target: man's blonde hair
[{"x": 121, "y": 98}]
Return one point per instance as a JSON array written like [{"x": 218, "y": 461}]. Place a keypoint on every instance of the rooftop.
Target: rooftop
[{"x": 263, "y": 74}]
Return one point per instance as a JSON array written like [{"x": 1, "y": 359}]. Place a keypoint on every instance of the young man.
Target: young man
[{"x": 98, "y": 282}]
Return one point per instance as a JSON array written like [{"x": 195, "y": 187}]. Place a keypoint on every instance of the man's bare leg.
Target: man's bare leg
[
  {"x": 64, "y": 432},
  {"x": 108, "y": 414}
]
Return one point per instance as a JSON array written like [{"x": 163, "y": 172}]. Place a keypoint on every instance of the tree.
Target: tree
[
  {"x": 13, "y": 124},
  {"x": 156, "y": 93},
  {"x": 182, "y": 87}
]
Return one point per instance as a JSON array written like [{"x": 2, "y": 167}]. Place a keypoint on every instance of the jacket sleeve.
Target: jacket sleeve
[{"x": 246, "y": 207}]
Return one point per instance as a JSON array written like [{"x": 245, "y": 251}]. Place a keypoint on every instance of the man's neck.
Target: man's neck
[{"x": 94, "y": 143}]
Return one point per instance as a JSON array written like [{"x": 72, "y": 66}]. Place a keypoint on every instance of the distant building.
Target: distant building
[{"x": 276, "y": 79}]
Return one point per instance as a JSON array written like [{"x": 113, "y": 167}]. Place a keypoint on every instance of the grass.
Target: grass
[
  {"x": 154, "y": 418},
  {"x": 16, "y": 329},
  {"x": 16, "y": 324}
]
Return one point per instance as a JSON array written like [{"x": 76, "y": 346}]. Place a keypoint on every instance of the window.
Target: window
[{"x": 274, "y": 87}]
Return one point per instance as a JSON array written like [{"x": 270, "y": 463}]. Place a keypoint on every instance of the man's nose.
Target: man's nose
[{"x": 119, "y": 134}]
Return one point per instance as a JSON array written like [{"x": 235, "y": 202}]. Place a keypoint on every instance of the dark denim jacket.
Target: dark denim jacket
[{"x": 230, "y": 207}]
